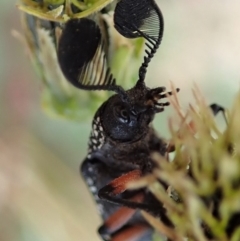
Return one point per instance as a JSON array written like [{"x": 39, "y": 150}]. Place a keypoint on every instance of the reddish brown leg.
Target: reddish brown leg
[
  {"x": 118, "y": 186},
  {"x": 118, "y": 219},
  {"x": 113, "y": 228},
  {"x": 132, "y": 233}
]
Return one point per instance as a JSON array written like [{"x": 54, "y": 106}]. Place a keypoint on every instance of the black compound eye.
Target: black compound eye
[{"x": 122, "y": 114}]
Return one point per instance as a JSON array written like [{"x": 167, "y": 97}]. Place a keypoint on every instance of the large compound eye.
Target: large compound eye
[{"x": 122, "y": 114}]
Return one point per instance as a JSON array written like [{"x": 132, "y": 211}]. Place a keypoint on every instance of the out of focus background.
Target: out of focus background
[{"x": 42, "y": 196}]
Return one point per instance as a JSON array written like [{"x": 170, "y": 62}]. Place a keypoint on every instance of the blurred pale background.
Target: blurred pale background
[{"x": 42, "y": 196}]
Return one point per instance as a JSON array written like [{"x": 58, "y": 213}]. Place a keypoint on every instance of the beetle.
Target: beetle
[{"x": 122, "y": 137}]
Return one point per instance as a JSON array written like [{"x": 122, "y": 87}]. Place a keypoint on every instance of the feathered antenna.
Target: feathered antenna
[
  {"x": 134, "y": 18},
  {"x": 81, "y": 50},
  {"x": 82, "y": 57}
]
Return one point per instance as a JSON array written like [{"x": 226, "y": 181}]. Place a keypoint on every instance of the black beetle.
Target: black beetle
[{"x": 122, "y": 138}]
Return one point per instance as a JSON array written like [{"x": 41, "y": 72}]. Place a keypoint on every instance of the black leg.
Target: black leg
[{"x": 218, "y": 108}]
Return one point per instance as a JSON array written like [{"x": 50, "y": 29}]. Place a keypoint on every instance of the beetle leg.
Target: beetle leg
[
  {"x": 218, "y": 108},
  {"x": 119, "y": 185},
  {"x": 119, "y": 218},
  {"x": 132, "y": 233},
  {"x": 111, "y": 191},
  {"x": 115, "y": 228}
]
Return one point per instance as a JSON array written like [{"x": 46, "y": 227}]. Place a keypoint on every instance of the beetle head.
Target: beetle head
[{"x": 126, "y": 118}]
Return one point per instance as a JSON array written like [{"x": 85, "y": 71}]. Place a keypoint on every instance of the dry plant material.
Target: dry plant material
[{"x": 203, "y": 178}]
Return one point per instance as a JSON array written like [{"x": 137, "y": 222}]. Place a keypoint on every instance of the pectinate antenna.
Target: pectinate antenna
[
  {"x": 134, "y": 18},
  {"x": 82, "y": 57}
]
